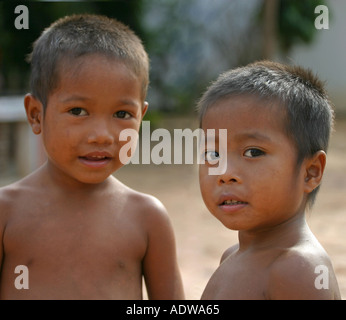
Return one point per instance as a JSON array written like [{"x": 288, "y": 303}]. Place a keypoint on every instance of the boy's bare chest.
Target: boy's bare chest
[
  {"x": 81, "y": 251},
  {"x": 75, "y": 236},
  {"x": 238, "y": 279}
]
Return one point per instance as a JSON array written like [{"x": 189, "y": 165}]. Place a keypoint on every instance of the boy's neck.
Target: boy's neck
[
  {"x": 285, "y": 234},
  {"x": 67, "y": 184}
]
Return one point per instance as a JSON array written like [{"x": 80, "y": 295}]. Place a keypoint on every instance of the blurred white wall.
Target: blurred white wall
[
  {"x": 16, "y": 135},
  {"x": 327, "y": 55}
]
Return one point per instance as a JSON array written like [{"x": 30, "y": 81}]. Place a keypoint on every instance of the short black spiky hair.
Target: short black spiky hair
[
  {"x": 77, "y": 35},
  {"x": 307, "y": 109}
]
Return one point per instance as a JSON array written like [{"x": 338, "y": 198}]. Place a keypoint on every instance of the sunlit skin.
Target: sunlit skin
[
  {"x": 263, "y": 195},
  {"x": 85, "y": 117},
  {"x": 81, "y": 232}
]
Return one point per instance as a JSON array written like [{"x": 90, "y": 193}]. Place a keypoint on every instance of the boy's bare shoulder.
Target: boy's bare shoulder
[
  {"x": 229, "y": 252},
  {"x": 302, "y": 273},
  {"x": 145, "y": 205},
  {"x": 18, "y": 188},
  {"x": 10, "y": 196}
]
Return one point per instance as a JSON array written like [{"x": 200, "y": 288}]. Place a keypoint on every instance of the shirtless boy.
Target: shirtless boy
[
  {"x": 278, "y": 120},
  {"x": 80, "y": 232}
]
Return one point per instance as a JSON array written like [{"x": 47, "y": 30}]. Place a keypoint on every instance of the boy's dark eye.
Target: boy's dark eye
[
  {"x": 78, "y": 112},
  {"x": 122, "y": 115},
  {"x": 253, "y": 153},
  {"x": 212, "y": 157}
]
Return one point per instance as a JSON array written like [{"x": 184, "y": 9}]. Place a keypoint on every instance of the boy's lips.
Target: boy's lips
[
  {"x": 230, "y": 202},
  {"x": 96, "y": 159}
]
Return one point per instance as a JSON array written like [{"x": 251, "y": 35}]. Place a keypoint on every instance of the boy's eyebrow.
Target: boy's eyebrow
[
  {"x": 242, "y": 136},
  {"x": 74, "y": 98},
  {"x": 252, "y": 136},
  {"x": 82, "y": 99}
]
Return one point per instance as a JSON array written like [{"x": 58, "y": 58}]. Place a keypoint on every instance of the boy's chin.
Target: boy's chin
[{"x": 97, "y": 177}]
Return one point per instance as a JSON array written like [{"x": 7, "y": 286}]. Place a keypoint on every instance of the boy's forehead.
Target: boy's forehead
[
  {"x": 83, "y": 67},
  {"x": 94, "y": 77},
  {"x": 247, "y": 118},
  {"x": 70, "y": 65},
  {"x": 246, "y": 107}
]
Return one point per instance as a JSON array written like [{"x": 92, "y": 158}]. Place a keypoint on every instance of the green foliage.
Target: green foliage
[
  {"x": 155, "y": 118},
  {"x": 189, "y": 42},
  {"x": 15, "y": 44},
  {"x": 296, "y": 22}
]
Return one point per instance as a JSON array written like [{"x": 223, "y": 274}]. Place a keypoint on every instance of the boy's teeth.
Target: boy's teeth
[
  {"x": 96, "y": 158},
  {"x": 232, "y": 202}
]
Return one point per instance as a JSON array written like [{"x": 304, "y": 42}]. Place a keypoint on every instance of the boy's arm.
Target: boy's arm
[
  {"x": 302, "y": 278},
  {"x": 3, "y": 215},
  {"x": 160, "y": 267}
]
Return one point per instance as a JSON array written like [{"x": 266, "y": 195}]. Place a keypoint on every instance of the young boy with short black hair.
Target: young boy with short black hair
[
  {"x": 278, "y": 120},
  {"x": 80, "y": 232}
]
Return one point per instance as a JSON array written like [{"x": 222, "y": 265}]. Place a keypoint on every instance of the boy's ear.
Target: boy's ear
[
  {"x": 34, "y": 112},
  {"x": 314, "y": 171},
  {"x": 145, "y": 108}
]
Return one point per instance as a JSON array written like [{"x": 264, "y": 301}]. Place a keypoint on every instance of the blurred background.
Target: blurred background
[{"x": 189, "y": 44}]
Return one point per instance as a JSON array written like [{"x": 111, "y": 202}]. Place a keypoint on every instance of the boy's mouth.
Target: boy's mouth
[
  {"x": 232, "y": 202},
  {"x": 97, "y": 156},
  {"x": 96, "y": 159}
]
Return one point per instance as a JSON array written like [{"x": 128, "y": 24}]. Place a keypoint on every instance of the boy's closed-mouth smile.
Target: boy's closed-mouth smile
[{"x": 96, "y": 159}]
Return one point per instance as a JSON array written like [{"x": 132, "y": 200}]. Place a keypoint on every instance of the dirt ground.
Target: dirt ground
[{"x": 201, "y": 239}]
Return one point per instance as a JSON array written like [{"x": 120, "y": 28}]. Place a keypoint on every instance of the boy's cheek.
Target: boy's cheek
[{"x": 207, "y": 182}]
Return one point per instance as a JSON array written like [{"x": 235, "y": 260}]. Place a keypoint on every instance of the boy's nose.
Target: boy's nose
[
  {"x": 226, "y": 179},
  {"x": 101, "y": 134},
  {"x": 230, "y": 175}
]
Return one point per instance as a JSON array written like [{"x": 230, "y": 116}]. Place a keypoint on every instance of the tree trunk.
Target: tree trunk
[{"x": 270, "y": 23}]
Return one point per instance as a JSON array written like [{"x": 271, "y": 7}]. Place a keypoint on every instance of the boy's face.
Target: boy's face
[
  {"x": 96, "y": 99},
  {"x": 262, "y": 185}
]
